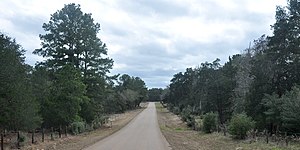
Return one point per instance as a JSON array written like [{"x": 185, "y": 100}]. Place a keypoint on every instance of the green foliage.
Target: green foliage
[
  {"x": 207, "y": 88},
  {"x": 290, "y": 110},
  {"x": 239, "y": 125},
  {"x": 77, "y": 127},
  {"x": 209, "y": 122},
  {"x": 71, "y": 40},
  {"x": 198, "y": 123},
  {"x": 22, "y": 138},
  {"x": 114, "y": 103},
  {"x": 100, "y": 120},
  {"x": 190, "y": 122},
  {"x": 258, "y": 82},
  {"x": 155, "y": 94},
  {"x": 67, "y": 93},
  {"x": 187, "y": 116},
  {"x": 18, "y": 109},
  {"x": 71, "y": 85},
  {"x": 186, "y": 113},
  {"x": 175, "y": 110},
  {"x": 274, "y": 108},
  {"x": 132, "y": 90}
]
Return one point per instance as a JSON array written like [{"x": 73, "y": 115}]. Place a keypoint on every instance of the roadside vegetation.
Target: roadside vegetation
[
  {"x": 180, "y": 136},
  {"x": 254, "y": 94},
  {"x": 70, "y": 89}
]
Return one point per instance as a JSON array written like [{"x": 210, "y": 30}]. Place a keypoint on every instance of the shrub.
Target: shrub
[
  {"x": 99, "y": 121},
  {"x": 176, "y": 110},
  {"x": 89, "y": 127},
  {"x": 239, "y": 125},
  {"x": 198, "y": 123},
  {"x": 186, "y": 113},
  {"x": 190, "y": 121},
  {"x": 209, "y": 122},
  {"x": 22, "y": 138},
  {"x": 77, "y": 127}
]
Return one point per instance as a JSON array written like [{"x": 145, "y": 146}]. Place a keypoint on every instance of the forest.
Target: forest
[
  {"x": 260, "y": 86},
  {"x": 72, "y": 86}
]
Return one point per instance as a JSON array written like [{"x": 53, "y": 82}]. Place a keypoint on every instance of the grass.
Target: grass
[
  {"x": 178, "y": 129},
  {"x": 177, "y": 133}
]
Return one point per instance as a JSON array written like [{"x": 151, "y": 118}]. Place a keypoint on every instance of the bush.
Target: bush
[
  {"x": 190, "y": 122},
  {"x": 186, "y": 113},
  {"x": 99, "y": 121},
  {"x": 22, "y": 139},
  {"x": 239, "y": 126},
  {"x": 209, "y": 122},
  {"x": 77, "y": 127},
  {"x": 176, "y": 110},
  {"x": 198, "y": 123},
  {"x": 89, "y": 127}
]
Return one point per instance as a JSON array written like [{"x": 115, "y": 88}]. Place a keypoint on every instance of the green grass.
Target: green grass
[{"x": 178, "y": 129}]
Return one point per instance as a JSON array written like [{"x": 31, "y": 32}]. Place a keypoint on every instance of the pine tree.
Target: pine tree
[{"x": 18, "y": 109}]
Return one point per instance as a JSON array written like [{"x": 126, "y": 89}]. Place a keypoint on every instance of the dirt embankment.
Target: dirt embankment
[{"x": 86, "y": 139}]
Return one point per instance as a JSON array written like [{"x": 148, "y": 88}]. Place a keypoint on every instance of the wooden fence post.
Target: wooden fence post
[
  {"x": 267, "y": 135},
  {"x": 66, "y": 131},
  {"x": 225, "y": 130},
  {"x": 59, "y": 131},
  {"x": 51, "y": 133},
  {"x": 2, "y": 147},
  {"x": 32, "y": 136},
  {"x": 286, "y": 139},
  {"x": 43, "y": 135},
  {"x": 18, "y": 139}
]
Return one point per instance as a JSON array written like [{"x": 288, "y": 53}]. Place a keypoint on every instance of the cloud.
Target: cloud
[{"x": 152, "y": 39}]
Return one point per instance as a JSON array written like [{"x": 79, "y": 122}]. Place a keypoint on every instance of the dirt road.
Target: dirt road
[{"x": 142, "y": 133}]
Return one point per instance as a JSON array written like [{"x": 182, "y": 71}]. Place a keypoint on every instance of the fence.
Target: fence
[
  {"x": 280, "y": 138},
  {"x": 17, "y": 139}
]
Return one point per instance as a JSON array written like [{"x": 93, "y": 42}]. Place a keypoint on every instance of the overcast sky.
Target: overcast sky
[{"x": 152, "y": 39}]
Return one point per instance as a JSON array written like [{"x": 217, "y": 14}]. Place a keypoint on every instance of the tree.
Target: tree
[
  {"x": 243, "y": 81},
  {"x": 290, "y": 110},
  {"x": 239, "y": 125},
  {"x": 41, "y": 85},
  {"x": 262, "y": 75},
  {"x": 71, "y": 39},
  {"x": 273, "y": 104},
  {"x": 18, "y": 109},
  {"x": 67, "y": 93},
  {"x": 155, "y": 94},
  {"x": 209, "y": 122},
  {"x": 133, "y": 90}
]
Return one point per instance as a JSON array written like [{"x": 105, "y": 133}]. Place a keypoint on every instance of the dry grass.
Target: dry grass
[
  {"x": 182, "y": 138},
  {"x": 86, "y": 139}
]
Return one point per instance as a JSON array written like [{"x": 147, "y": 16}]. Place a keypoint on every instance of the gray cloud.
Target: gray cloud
[
  {"x": 27, "y": 24},
  {"x": 152, "y": 39},
  {"x": 163, "y": 8}
]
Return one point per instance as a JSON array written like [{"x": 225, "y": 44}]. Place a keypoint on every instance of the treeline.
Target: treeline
[
  {"x": 71, "y": 85},
  {"x": 155, "y": 94},
  {"x": 260, "y": 84}
]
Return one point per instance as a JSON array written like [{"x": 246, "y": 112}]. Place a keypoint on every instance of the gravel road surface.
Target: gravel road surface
[{"x": 142, "y": 133}]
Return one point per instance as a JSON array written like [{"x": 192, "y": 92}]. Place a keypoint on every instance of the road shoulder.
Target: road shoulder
[
  {"x": 181, "y": 137},
  {"x": 89, "y": 138}
]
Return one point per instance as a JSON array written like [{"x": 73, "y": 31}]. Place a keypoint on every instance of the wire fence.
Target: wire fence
[{"x": 17, "y": 139}]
